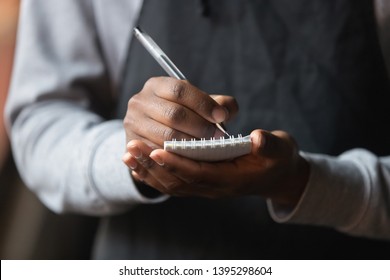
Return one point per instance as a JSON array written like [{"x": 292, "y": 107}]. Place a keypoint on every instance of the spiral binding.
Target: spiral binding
[{"x": 212, "y": 149}]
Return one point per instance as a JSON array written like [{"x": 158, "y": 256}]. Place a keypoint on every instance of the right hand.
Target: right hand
[{"x": 167, "y": 108}]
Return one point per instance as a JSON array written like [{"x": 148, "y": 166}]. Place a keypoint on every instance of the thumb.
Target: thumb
[
  {"x": 275, "y": 143},
  {"x": 229, "y": 103}
]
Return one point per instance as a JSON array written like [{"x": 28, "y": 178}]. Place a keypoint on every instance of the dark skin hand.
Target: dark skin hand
[{"x": 168, "y": 108}]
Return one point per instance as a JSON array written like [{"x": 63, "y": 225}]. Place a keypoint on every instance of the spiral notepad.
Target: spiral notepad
[{"x": 210, "y": 150}]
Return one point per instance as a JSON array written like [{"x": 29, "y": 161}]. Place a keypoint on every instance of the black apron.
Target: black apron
[{"x": 310, "y": 67}]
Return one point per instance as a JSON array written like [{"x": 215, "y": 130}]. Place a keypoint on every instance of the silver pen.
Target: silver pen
[{"x": 162, "y": 59}]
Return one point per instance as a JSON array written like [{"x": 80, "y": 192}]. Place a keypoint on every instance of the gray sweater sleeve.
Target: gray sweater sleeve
[
  {"x": 66, "y": 152},
  {"x": 350, "y": 193}
]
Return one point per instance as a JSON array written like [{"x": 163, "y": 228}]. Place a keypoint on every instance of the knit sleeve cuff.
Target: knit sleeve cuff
[
  {"x": 335, "y": 196},
  {"x": 111, "y": 177}
]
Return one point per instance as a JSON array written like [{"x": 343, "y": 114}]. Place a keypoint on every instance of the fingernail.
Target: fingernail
[
  {"x": 135, "y": 152},
  {"x": 219, "y": 114},
  {"x": 157, "y": 159},
  {"x": 129, "y": 161},
  {"x": 126, "y": 157},
  {"x": 133, "y": 164}
]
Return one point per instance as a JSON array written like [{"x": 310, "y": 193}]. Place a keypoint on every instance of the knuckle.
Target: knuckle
[
  {"x": 170, "y": 133},
  {"x": 179, "y": 89},
  {"x": 150, "y": 83},
  {"x": 133, "y": 105},
  {"x": 146, "y": 162},
  {"x": 134, "y": 100},
  {"x": 175, "y": 114},
  {"x": 128, "y": 121},
  {"x": 131, "y": 100},
  {"x": 203, "y": 105}
]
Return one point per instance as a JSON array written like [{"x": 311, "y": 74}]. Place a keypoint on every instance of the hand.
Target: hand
[
  {"x": 167, "y": 108},
  {"x": 274, "y": 169}
]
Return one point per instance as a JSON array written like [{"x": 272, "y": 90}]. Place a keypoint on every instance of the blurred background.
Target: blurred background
[{"x": 28, "y": 230}]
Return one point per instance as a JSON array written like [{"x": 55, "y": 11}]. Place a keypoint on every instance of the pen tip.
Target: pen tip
[{"x": 222, "y": 129}]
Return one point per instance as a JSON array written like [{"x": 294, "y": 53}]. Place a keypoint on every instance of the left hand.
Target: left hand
[{"x": 274, "y": 169}]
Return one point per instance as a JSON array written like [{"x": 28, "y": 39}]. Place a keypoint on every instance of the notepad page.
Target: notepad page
[{"x": 212, "y": 149}]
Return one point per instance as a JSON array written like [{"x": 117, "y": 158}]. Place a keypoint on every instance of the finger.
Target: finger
[
  {"x": 265, "y": 143},
  {"x": 140, "y": 151},
  {"x": 155, "y": 133},
  {"x": 179, "y": 118},
  {"x": 153, "y": 172},
  {"x": 189, "y": 171},
  {"x": 148, "y": 180},
  {"x": 139, "y": 124},
  {"x": 182, "y": 92},
  {"x": 138, "y": 170},
  {"x": 229, "y": 102},
  {"x": 150, "y": 171},
  {"x": 143, "y": 175},
  {"x": 176, "y": 116},
  {"x": 139, "y": 173},
  {"x": 177, "y": 185},
  {"x": 203, "y": 179},
  {"x": 130, "y": 161}
]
